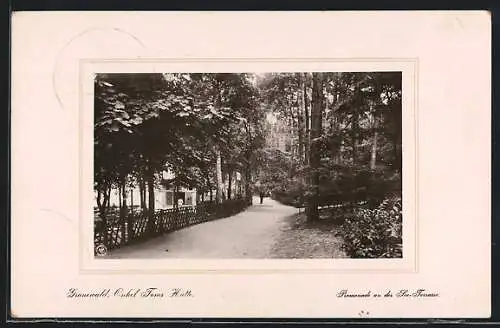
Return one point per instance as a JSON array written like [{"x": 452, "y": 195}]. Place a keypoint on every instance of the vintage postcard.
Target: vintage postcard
[{"x": 236, "y": 164}]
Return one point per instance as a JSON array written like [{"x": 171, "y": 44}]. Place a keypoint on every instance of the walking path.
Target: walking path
[{"x": 249, "y": 234}]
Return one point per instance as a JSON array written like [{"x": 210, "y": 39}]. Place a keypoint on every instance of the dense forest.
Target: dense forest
[{"x": 318, "y": 140}]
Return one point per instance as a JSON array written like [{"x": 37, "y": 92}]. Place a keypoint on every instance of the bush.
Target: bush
[
  {"x": 361, "y": 184},
  {"x": 291, "y": 198},
  {"x": 344, "y": 184},
  {"x": 374, "y": 233}
]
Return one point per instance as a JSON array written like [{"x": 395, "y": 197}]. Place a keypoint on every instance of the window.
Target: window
[{"x": 170, "y": 198}]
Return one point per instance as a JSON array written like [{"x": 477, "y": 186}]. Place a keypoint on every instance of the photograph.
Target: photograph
[{"x": 276, "y": 165}]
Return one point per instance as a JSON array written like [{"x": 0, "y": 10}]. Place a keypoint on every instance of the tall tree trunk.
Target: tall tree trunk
[
  {"x": 120, "y": 198},
  {"x": 218, "y": 162},
  {"x": 300, "y": 117},
  {"x": 373, "y": 158},
  {"x": 124, "y": 196},
  {"x": 218, "y": 170},
  {"x": 142, "y": 193},
  {"x": 107, "y": 201},
  {"x": 239, "y": 186},
  {"x": 339, "y": 144},
  {"x": 108, "y": 198},
  {"x": 307, "y": 121},
  {"x": 209, "y": 187},
  {"x": 248, "y": 187},
  {"x": 291, "y": 127},
  {"x": 229, "y": 183},
  {"x": 151, "y": 199},
  {"x": 315, "y": 156},
  {"x": 100, "y": 201},
  {"x": 123, "y": 210},
  {"x": 294, "y": 125},
  {"x": 174, "y": 196},
  {"x": 335, "y": 144},
  {"x": 248, "y": 170},
  {"x": 302, "y": 114},
  {"x": 130, "y": 221},
  {"x": 355, "y": 124},
  {"x": 355, "y": 128},
  {"x": 151, "y": 191},
  {"x": 248, "y": 179}
]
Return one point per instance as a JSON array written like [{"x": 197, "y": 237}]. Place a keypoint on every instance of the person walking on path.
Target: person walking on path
[{"x": 262, "y": 195}]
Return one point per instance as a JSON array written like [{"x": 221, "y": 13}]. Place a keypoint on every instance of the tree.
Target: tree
[
  {"x": 342, "y": 134},
  {"x": 315, "y": 156}
]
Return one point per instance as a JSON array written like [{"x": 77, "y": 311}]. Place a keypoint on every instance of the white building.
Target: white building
[{"x": 164, "y": 198}]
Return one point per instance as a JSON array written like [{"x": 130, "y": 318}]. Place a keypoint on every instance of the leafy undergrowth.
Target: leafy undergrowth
[
  {"x": 300, "y": 239},
  {"x": 374, "y": 233}
]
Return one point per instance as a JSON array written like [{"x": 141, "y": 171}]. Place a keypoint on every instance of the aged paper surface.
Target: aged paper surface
[{"x": 445, "y": 60}]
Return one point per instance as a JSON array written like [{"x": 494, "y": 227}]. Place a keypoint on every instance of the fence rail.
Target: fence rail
[{"x": 116, "y": 231}]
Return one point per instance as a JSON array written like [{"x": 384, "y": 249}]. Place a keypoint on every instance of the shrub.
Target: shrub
[
  {"x": 340, "y": 184},
  {"x": 374, "y": 233},
  {"x": 291, "y": 198}
]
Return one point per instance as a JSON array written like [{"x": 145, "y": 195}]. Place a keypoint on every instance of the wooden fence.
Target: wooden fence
[{"x": 135, "y": 227}]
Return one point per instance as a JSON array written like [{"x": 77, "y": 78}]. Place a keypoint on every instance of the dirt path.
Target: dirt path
[
  {"x": 302, "y": 240},
  {"x": 249, "y": 234}
]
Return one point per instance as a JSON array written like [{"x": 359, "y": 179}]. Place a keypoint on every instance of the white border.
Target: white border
[
  {"x": 408, "y": 264},
  {"x": 454, "y": 159}
]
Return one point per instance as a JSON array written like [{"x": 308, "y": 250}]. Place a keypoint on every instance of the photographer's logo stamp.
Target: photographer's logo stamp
[{"x": 101, "y": 250}]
